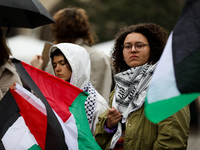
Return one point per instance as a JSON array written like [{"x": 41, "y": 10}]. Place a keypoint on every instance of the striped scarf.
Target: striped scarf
[{"x": 130, "y": 92}]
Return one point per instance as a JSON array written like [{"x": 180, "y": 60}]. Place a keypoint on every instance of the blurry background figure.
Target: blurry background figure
[
  {"x": 8, "y": 73},
  {"x": 72, "y": 26}
]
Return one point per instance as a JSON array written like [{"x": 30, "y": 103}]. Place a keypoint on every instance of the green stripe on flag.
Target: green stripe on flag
[
  {"x": 35, "y": 147},
  {"x": 86, "y": 140},
  {"x": 163, "y": 109}
]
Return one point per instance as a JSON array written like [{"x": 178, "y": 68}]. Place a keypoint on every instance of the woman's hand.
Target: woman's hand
[
  {"x": 13, "y": 86},
  {"x": 37, "y": 61},
  {"x": 114, "y": 117}
]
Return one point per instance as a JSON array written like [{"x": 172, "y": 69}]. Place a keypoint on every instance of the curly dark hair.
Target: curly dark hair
[
  {"x": 71, "y": 23},
  {"x": 156, "y": 36},
  {"x": 4, "y": 49}
]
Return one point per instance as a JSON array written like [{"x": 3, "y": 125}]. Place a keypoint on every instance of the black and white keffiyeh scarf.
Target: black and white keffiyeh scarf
[
  {"x": 130, "y": 92},
  {"x": 90, "y": 103}
]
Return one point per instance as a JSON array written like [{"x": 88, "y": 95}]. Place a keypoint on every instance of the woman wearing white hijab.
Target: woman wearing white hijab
[{"x": 72, "y": 64}]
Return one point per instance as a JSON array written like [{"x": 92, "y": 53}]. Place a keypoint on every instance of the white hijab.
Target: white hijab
[{"x": 79, "y": 61}]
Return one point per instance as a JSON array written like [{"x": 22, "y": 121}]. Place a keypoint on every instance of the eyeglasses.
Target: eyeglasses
[{"x": 139, "y": 46}]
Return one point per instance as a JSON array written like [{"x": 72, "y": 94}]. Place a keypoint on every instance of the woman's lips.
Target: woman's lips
[
  {"x": 59, "y": 75},
  {"x": 133, "y": 57}
]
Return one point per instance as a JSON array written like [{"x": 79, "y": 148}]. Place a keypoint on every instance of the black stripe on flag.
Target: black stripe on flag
[
  {"x": 186, "y": 48},
  {"x": 55, "y": 136}
]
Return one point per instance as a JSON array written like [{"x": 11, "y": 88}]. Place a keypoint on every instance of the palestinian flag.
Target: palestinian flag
[
  {"x": 176, "y": 80},
  {"x": 23, "y": 121},
  {"x": 67, "y": 120}
]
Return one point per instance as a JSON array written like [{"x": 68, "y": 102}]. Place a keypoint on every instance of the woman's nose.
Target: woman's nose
[
  {"x": 133, "y": 49},
  {"x": 57, "y": 67}
]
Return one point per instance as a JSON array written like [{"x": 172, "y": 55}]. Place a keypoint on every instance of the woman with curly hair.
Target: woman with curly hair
[
  {"x": 8, "y": 73},
  {"x": 135, "y": 55},
  {"x": 71, "y": 23}
]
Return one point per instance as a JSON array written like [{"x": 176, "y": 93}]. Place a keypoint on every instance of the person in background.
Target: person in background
[
  {"x": 72, "y": 26},
  {"x": 8, "y": 73},
  {"x": 135, "y": 55},
  {"x": 72, "y": 64}
]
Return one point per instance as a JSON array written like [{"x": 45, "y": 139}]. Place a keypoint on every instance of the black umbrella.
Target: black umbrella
[{"x": 23, "y": 14}]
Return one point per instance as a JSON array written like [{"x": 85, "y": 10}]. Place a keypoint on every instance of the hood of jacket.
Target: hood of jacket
[{"x": 79, "y": 61}]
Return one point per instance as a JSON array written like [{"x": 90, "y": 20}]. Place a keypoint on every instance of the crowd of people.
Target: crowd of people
[{"x": 136, "y": 52}]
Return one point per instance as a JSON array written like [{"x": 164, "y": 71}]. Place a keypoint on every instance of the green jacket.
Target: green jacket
[{"x": 141, "y": 134}]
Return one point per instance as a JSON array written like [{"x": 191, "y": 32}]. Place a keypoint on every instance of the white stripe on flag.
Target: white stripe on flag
[
  {"x": 32, "y": 99},
  {"x": 70, "y": 132},
  {"x": 163, "y": 84},
  {"x": 18, "y": 136}
]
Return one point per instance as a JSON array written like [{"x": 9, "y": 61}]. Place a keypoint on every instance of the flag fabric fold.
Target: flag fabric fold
[
  {"x": 23, "y": 121},
  {"x": 176, "y": 80},
  {"x": 62, "y": 105}
]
